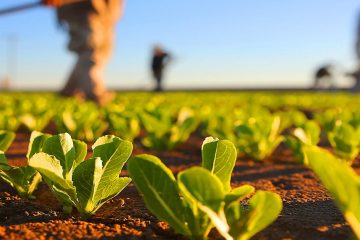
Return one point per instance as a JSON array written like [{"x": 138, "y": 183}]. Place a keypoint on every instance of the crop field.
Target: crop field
[{"x": 197, "y": 165}]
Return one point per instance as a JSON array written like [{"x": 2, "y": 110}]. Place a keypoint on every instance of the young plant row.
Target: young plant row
[
  {"x": 256, "y": 132},
  {"x": 258, "y": 137},
  {"x": 198, "y": 200},
  {"x": 59, "y": 161},
  {"x": 256, "y": 125}
]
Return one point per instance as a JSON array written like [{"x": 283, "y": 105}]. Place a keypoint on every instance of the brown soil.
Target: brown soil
[{"x": 308, "y": 213}]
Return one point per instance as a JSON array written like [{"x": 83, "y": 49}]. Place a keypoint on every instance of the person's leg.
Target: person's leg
[
  {"x": 70, "y": 87},
  {"x": 157, "y": 77},
  {"x": 92, "y": 33},
  {"x": 90, "y": 76},
  {"x": 94, "y": 60},
  {"x": 76, "y": 24}
]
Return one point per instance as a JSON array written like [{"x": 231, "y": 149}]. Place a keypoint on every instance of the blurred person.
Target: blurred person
[
  {"x": 91, "y": 28},
  {"x": 324, "y": 77},
  {"x": 159, "y": 61}
]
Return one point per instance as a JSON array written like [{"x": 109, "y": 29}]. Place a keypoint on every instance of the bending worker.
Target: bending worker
[{"x": 91, "y": 26}]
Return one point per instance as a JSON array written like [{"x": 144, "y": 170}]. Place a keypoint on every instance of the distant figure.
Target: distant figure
[
  {"x": 91, "y": 27},
  {"x": 159, "y": 61},
  {"x": 324, "y": 77}
]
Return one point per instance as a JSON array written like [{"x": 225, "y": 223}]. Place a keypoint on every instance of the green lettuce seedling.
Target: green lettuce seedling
[
  {"x": 162, "y": 134},
  {"x": 219, "y": 157},
  {"x": 24, "y": 179},
  {"x": 86, "y": 185},
  {"x": 159, "y": 188},
  {"x": 193, "y": 203},
  {"x": 340, "y": 180},
  {"x": 345, "y": 139},
  {"x": 36, "y": 122},
  {"x": 306, "y": 134},
  {"x": 259, "y": 137},
  {"x": 83, "y": 122},
  {"x": 355, "y": 119},
  {"x": 9, "y": 120},
  {"x": 291, "y": 118},
  {"x": 6, "y": 138},
  {"x": 125, "y": 125},
  {"x": 231, "y": 219},
  {"x": 220, "y": 125},
  {"x": 331, "y": 117}
]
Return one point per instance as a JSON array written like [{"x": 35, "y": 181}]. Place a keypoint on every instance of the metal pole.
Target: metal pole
[
  {"x": 19, "y": 8},
  {"x": 32, "y": 5}
]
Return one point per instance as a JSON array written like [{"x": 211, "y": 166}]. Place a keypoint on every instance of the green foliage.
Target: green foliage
[
  {"x": 345, "y": 139},
  {"x": 158, "y": 186},
  {"x": 235, "y": 221},
  {"x": 155, "y": 116},
  {"x": 291, "y": 118},
  {"x": 220, "y": 126},
  {"x": 355, "y": 119},
  {"x": 329, "y": 118},
  {"x": 24, "y": 179},
  {"x": 36, "y": 122},
  {"x": 259, "y": 137},
  {"x": 340, "y": 180},
  {"x": 306, "y": 134},
  {"x": 162, "y": 133},
  {"x": 198, "y": 186},
  {"x": 201, "y": 197},
  {"x": 219, "y": 158},
  {"x": 86, "y": 185},
  {"x": 9, "y": 120},
  {"x": 6, "y": 138},
  {"x": 83, "y": 122},
  {"x": 125, "y": 125}
]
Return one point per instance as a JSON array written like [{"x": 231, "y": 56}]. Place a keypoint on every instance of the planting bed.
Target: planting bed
[{"x": 308, "y": 212}]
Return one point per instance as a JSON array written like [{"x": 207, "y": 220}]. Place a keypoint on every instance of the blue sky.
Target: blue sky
[{"x": 232, "y": 43}]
